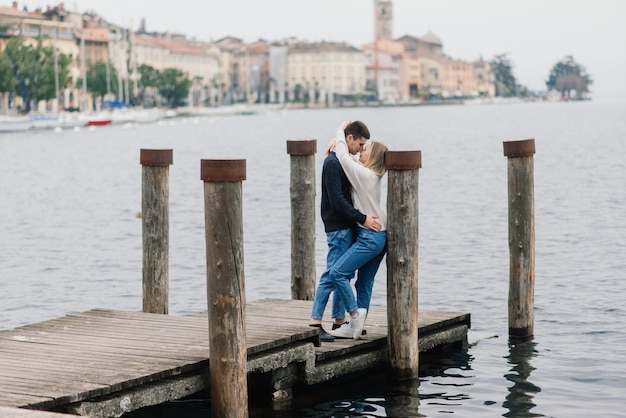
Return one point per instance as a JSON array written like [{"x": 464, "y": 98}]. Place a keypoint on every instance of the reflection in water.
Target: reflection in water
[
  {"x": 441, "y": 387},
  {"x": 403, "y": 399},
  {"x": 445, "y": 378},
  {"x": 519, "y": 401},
  {"x": 444, "y": 388}
]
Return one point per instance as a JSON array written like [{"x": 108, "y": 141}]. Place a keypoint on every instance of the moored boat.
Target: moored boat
[
  {"x": 98, "y": 121},
  {"x": 15, "y": 123}
]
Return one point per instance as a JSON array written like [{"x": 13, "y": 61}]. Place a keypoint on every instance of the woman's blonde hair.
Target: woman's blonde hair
[{"x": 376, "y": 160}]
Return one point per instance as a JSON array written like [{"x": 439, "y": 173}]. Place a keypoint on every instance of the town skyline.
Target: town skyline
[{"x": 540, "y": 35}]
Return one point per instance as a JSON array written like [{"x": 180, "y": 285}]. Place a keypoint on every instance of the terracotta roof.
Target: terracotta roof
[
  {"x": 321, "y": 47},
  {"x": 431, "y": 38},
  {"x": 230, "y": 43},
  {"x": 11, "y": 12},
  {"x": 387, "y": 46},
  {"x": 174, "y": 46},
  {"x": 259, "y": 48}
]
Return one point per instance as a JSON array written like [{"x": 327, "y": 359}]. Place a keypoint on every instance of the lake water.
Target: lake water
[{"x": 70, "y": 241}]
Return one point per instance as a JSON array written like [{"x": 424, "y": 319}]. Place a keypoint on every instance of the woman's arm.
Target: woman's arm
[
  {"x": 356, "y": 173},
  {"x": 350, "y": 163}
]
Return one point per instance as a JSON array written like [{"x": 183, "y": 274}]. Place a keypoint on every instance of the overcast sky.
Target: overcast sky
[{"x": 536, "y": 34}]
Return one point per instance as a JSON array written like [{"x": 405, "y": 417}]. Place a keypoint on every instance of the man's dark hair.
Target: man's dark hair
[{"x": 358, "y": 130}]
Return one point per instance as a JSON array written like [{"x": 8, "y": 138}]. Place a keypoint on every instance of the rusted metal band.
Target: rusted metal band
[
  {"x": 222, "y": 170},
  {"x": 301, "y": 146},
  {"x": 403, "y": 160},
  {"x": 156, "y": 157},
  {"x": 523, "y": 148}
]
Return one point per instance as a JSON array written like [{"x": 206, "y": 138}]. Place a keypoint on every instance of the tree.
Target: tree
[
  {"x": 297, "y": 91},
  {"x": 568, "y": 75},
  {"x": 506, "y": 84},
  {"x": 36, "y": 70},
  {"x": 7, "y": 79},
  {"x": 173, "y": 86},
  {"x": 149, "y": 79},
  {"x": 98, "y": 83}
]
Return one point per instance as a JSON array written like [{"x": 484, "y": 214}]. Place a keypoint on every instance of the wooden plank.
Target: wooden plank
[{"x": 99, "y": 352}]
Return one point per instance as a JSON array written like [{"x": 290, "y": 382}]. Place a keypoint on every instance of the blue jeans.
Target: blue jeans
[
  {"x": 364, "y": 255},
  {"x": 338, "y": 243}
]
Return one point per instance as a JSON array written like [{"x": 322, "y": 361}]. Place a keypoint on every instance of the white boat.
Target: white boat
[
  {"x": 15, "y": 123},
  {"x": 40, "y": 121},
  {"x": 123, "y": 116},
  {"x": 149, "y": 115}
]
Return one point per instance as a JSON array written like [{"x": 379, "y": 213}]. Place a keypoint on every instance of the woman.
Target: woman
[{"x": 365, "y": 173}]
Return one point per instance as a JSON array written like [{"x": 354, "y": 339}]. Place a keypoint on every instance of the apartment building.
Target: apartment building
[
  {"x": 195, "y": 59},
  {"x": 259, "y": 61},
  {"x": 58, "y": 32},
  {"x": 484, "y": 79},
  {"x": 458, "y": 80},
  {"x": 441, "y": 75},
  {"x": 386, "y": 70},
  {"x": 234, "y": 69},
  {"x": 278, "y": 73},
  {"x": 325, "y": 72}
]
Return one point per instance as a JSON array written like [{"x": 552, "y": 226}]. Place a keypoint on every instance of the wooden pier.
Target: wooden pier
[{"x": 104, "y": 363}]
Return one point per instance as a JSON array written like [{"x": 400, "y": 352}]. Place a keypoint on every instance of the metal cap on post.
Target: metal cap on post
[
  {"x": 155, "y": 228},
  {"x": 156, "y": 157},
  {"x": 521, "y": 148},
  {"x": 301, "y": 146},
  {"x": 403, "y": 160},
  {"x": 222, "y": 170},
  {"x": 302, "y": 196},
  {"x": 402, "y": 261}
]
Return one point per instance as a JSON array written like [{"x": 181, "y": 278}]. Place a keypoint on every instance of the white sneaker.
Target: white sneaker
[
  {"x": 344, "y": 331},
  {"x": 357, "y": 323}
]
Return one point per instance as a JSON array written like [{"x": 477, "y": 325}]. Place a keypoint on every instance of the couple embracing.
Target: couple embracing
[{"x": 355, "y": 226}]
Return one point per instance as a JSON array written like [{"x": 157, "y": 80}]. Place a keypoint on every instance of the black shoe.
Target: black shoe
[
  {"x": 335, "y": 326},
  {"x": 324, "y": 336}
]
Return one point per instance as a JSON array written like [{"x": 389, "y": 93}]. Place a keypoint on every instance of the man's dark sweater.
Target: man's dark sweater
[{"x": 338, "y": 212}]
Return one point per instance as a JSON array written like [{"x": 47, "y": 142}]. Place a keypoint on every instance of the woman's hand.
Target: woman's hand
[
  {"x": 372, "y": 223},
  {"x": 330, "y": 146},
  {"x": 344, "y": 124}
]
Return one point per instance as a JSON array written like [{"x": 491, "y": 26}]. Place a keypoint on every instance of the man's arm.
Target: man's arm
[{"x": 336, "y": 196}]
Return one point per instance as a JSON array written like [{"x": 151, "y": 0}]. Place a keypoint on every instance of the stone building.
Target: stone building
[
  {"x": 259, "y": 54},
  {"x": 194, "y": 59},
  {"x": 58, "y": 32},
  {"x": 327, "y": 73},
  {"x": 386, "y": 70}
]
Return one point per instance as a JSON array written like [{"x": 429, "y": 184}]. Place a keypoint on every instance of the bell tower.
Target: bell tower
[{"x": 383, "y": 19}]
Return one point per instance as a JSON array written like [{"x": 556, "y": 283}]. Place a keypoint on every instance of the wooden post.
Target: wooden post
[
  {"x": 521, "y": 237},
  {"x": 155, "y": 228},
  {"x": 225, "y": 286},
  {"x": 302, "y": 190},
  {"x": 402, "y": 244}
]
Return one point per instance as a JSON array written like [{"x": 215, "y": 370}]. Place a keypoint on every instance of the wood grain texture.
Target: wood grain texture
[
  {"x": 302, "y": 191},
  {"x": 155, "y": 235},
  {"x": 100, "y": 352},
  {"x": 521, "y": 246}
]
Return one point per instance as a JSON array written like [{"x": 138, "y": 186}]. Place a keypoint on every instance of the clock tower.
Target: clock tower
[{"x": 383, "y": 18}]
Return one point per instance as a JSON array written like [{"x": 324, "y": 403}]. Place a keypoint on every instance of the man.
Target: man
[{"x": 340, "y": 220}]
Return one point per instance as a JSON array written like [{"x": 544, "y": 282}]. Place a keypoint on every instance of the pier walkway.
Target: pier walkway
[{"x": 104, "y": 362}]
